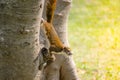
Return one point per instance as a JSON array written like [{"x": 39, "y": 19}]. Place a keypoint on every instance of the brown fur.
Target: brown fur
[
  {"x": 55, "y": 43},
  {"x": 51, "y": 6}
]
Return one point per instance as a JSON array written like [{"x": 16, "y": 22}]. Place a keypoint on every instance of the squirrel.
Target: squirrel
[{"x": 55, "y": 43}]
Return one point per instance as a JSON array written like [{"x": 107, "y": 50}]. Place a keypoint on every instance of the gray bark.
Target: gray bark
[
  {"x": 19, "y": 39},
  {"x": 63, "y": 68},
  {"x": 61, "y": 19},
  {"x": 43, "y": 39}
]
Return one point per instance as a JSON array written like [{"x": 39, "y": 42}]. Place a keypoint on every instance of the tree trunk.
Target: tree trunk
[
  {"x": 19, "y": 39},
  {"x": 63, "y": 68},
  {"x": 61, "y": 19}
]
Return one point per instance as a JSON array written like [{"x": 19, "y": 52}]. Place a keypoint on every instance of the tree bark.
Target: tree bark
[
  {"x": 61, "y": 19},
  {"x": 63, "y": 68},
  {"x": 19, "y": 39}
]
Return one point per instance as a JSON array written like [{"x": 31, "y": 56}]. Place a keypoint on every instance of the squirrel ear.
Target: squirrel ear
[{"x": 42, "y": 20}]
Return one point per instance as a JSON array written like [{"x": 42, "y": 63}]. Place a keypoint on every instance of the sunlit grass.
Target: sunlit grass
[{"x": 94, "y": 35}]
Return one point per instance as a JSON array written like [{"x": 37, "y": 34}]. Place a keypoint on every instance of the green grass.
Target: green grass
[{"x": 94, "y": 35}]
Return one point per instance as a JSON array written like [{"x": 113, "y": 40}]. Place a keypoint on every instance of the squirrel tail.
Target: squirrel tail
[{"x": 51, "y": 6}]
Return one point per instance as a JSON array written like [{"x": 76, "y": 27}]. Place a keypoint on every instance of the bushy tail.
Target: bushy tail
[{"x": 51, "y": 6}]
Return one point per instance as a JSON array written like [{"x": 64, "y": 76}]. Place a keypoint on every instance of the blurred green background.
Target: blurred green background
[{"x": 94, "y": 36}]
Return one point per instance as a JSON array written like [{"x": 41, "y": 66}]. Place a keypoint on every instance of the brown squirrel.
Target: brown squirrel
[{"x": 55, "y": 43}]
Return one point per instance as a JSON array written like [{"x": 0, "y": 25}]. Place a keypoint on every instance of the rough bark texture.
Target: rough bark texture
[
  {"x": 19, "y": 39},
  {"x": 43, "y": 39},
  {"x": 61, "y": 19},
  {"x": 63, "y": 68}
]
